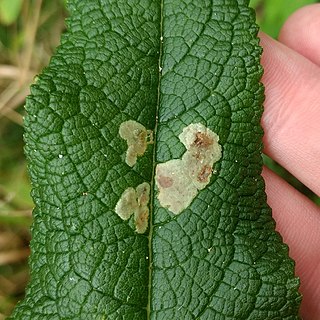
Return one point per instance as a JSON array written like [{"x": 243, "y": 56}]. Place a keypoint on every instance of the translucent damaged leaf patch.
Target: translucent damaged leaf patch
[
  {"x": 137, "y": 137},
  {"x": 135, "y": 201},
  {"x": 179, "y": 181}
]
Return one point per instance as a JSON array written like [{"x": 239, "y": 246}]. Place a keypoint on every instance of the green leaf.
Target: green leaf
[
  {"x": 156, "y": 69},
  {"x": 273, "y": 13},
  {"x": 9, "y": 10}
]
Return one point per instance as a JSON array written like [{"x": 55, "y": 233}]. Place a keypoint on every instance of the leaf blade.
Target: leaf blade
[
  {"x": 105, "y": 73},
  {"x": 218, "y": 73},
  {"x": 77, "y": 164}
]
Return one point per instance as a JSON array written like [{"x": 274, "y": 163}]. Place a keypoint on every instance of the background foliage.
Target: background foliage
[{"x": 29, "y": 32}]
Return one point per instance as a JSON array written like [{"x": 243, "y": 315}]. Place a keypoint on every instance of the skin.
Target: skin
[{"x": 292, "y": 137}]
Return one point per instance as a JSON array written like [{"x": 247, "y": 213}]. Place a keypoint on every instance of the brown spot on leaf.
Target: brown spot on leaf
[
  {"x": 203, "y": 140},
  {"x": 204, "y": 174},
  {"x": 180, "y": 180},
  {"x": 137, "y": 137},
  {"x": 141, "y": 220},
  {"x": 135, "y": 201},
  {"x": 165, "y": 182}
]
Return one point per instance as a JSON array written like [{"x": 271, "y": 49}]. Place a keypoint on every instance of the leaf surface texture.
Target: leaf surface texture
[{"x": 164, "y": 64}]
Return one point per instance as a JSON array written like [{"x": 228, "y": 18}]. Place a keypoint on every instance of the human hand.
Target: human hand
[{"x": 292, "y": 137}]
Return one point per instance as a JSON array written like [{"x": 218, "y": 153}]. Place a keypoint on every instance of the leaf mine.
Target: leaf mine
[
  {"x": 179, "y": 181},
  {"x": 135, "y": 201},
  {"x": 137, "y": 137}
]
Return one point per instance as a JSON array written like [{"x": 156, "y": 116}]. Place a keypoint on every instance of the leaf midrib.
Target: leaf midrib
[{"x": 154, "y": 164}]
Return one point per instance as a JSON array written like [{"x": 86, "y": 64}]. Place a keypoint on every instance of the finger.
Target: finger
[
  {"x": 301, "y": 32},
  {"x": 292, "y": 111},
  {"x": 298, "y": 221}
]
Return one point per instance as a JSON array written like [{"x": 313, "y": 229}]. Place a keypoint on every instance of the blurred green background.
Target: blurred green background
[{"x": 29, "y": 32}]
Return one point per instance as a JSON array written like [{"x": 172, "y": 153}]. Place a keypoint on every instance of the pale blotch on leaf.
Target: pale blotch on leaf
[
  {"x": 127, "y": 204},
  {"x": 137, "y": 137},
  {"x": 180, "y": 180},
  {"x": 135, "y": 201}
]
